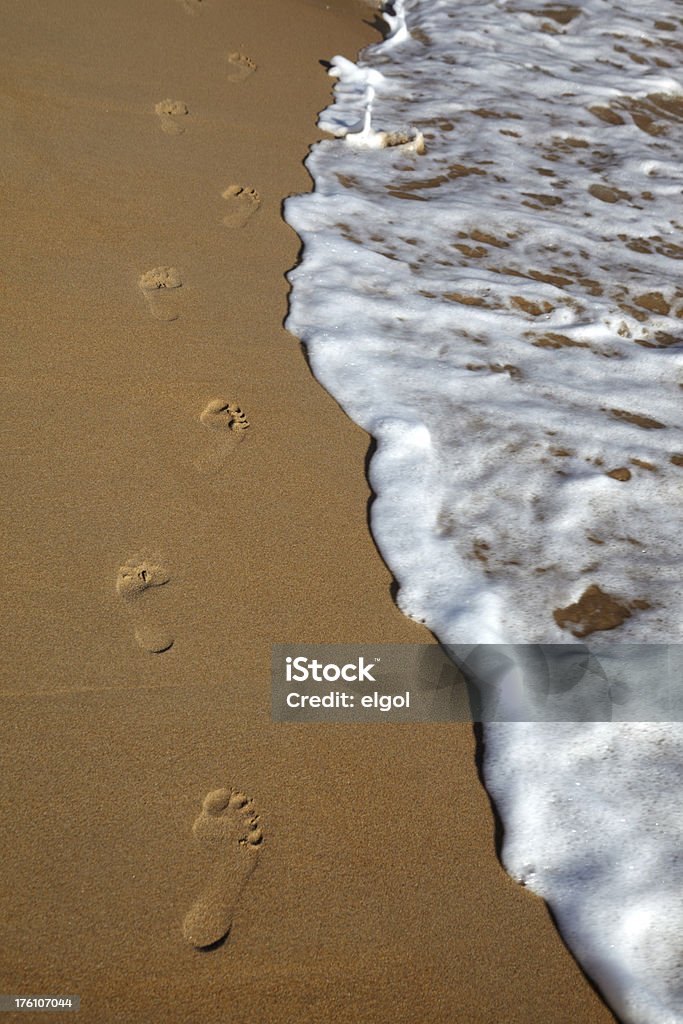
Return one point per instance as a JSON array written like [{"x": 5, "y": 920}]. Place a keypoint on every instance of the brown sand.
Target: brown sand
[{"x": 375, "y": 893}]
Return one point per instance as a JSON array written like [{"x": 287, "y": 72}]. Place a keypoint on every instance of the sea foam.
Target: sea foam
[{"x": 490, "y": 287}]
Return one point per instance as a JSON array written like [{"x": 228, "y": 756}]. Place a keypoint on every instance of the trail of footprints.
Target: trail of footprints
[
  {"x": 242, "y": 201},
  {"x": 141, "y": 574},
  {"x": 229, "y": 831},
  {"x": 228, "y": 827}
]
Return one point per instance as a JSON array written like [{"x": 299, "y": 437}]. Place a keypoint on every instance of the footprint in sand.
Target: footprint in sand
[
  {"x": 171, "y": 114},
  {"x": 191, "y": 6},
  {"x": 242, "y": 204},
  {"x": 155, "y": 285},
  {"x": 134, "y": 578},
  {"x": 221, "y": 417},
  {"x": 228, "y": 829},
  {"x": 239, "y": 67}
]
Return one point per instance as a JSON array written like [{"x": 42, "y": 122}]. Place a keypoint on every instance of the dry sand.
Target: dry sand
[{"x": 367, "y": 887}]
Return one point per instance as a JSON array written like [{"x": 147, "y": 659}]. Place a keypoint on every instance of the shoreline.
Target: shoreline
[{"x": 141, "y": 515}]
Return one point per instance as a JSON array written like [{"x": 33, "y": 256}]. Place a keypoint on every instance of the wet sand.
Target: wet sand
[{"x": 180, "y": 494}]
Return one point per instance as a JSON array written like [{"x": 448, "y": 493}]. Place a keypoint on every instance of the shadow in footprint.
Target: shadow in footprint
[
  {"x": 214, "y": 945},
  {"x": 228, "y": 830}
]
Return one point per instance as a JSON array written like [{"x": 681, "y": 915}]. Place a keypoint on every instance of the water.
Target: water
[{"x": 490, "y": 287}]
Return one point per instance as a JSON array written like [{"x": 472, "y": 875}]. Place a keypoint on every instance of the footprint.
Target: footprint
[
  {"x": 239, "y": 67},
  {"x": 191, "y": 6},
  {"x": 134, "y": 578},
  {"x": 170, "y": 114},
  {"x": 153, "y": 639},
  {"x": 243, "y": 203},
  {"x": 154, "y": 285},
  {"x": 222, "y": 415},
  {"x": 228, "y": 829}
]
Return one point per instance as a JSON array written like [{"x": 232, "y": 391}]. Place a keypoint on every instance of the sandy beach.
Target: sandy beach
[{"x": 180, "y": 494}]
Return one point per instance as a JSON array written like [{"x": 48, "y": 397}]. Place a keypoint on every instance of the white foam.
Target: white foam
[
  {"x": 593, "y": 822},
  {"x": 502, "y": 312}
]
